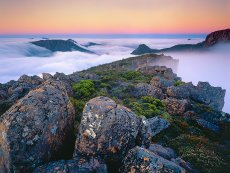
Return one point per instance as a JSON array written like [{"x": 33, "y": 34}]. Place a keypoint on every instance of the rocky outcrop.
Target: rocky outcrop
[
  {"x": 140, "y": 160},
  {"x": 209, "y": 95},
  {"x": 207, "y": 125},
  {"x": 172, "y": 86},
  {"x": 61, "y": 45},
  {"x": 139, "y": 63},
  {"x": 106, "y": 129},
  {"x": 143, "y": 49},
  {"x": 164, "y": 152},
  {"x": 157, "y": 125},
  {"x": 221, "y": 36},
  {"x": 175, "y": 106},
  {"x": 214, "y": 38},
  {"x": 14, "y": 90},
  {"x": 143, "y": 89},
  {"x": 37, "y": 129},
  {"x": 47, "y": 76},
  {"x": 180, "y": 92},
  {"x": 75, "y": 165},
  {"x": 169, "y": 154}
]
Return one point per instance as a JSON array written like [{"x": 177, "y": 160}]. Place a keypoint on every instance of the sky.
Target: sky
[{"x": 113, "y": 16}]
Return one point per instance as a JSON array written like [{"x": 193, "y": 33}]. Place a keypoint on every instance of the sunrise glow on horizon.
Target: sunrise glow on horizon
[{"x": 113, "y": 17}]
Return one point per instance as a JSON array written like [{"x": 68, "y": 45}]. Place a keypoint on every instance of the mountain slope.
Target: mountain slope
[
  {"x": 221, "y": 36},
  {"x": 61, "y": 45}
]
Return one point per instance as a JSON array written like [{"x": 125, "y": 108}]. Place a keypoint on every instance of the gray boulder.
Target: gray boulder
[
  {"x": 47, "y": 76},
  {"x": 209, "y": 95},
  {"x": 145, "y": 133},
  {"x": 144, "y": 89},
  {"x": 180, "y": 92},
  {"x": 14, "y": 90},
  {"x": 176, "y": 106},
  {"x": 37, "y": 129},
  {"x": 106, "y": 129},
  {"x": 162, "y": 83},
  {"x": 75, "y": 165},
  {"x": 207, "y": 125},
  {"x": 140, "y": 160},
  {"x": 164, "y": 152},
  {"x": 157, "y": 125}
]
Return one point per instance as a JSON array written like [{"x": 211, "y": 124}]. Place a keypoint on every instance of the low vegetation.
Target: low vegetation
[{"x": 201, "y": 147}]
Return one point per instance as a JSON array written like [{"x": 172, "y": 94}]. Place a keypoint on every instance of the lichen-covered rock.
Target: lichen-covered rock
[
  {"x": 209, "y": 95},
  {"x": 157, "y": 124},
  {"x": 160, "y": 71},
  {"x": 186, "y": 165},
  {"x": 106, "y": 129},
  {"x": 14, "y": 90},
  {"x": 164, "y": 152},
  {"x": 37, "y": 129},
  {"x": 203, "y": 93},
  {"x": 181, "y": 91},
  {"x": 47, "y": 76},
  {"x": 144, "y": 89},
  {"x": 140, "y": 160},
  {"x": 176, "y": 106},
  {"x": 161, "y": 82},
  {"x": 75, "y": 165},
  {"x": 145, "y": 133},
  {"x": 207, "y": 125}
]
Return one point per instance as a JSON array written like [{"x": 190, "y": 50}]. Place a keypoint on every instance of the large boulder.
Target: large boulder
[
  {"x": 144, "y": 89},
  {"x": 160, "y": 82},
  {"x": 180, "y": 92},
  {"x": 176, "y": 106},
  {"x": 75, "y": 165},
  {"x": 209, "y": 95},
  {"x": 140, "y": 160},
  {"x": 107, "y": 129},
  {"x": 14, "y": 90},
  {"x": 203, "y": 93},
  {"x": 37, "y": 129}
]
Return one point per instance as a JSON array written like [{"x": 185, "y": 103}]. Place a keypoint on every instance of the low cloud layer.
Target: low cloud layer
[{"x": 211, "y": 67}]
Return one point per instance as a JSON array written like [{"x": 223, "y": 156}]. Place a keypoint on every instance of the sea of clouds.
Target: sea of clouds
[{"x": 18, "y": 57}]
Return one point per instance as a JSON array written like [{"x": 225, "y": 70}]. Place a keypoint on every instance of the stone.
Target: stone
[
  {"x": 176, "y": 106},
  {"x": 144, "y": 135},
  {"x": 180, "y": 92},
  {"x": 144, "y": 89},
  {"x": 140, "y": 160},
  {"x": 75, "y": 165},
  {"x": 186, "y": 165},
  {"x": 107, "y": 129},
  {"x": 164, "y": 152},
  {"x": 47, "y": 76},
  {"x": 209, "y": 95},
  {"x": 37, "y": 129},
  {"x": 157, "y": 125},
  {"x": 221, "y": 36},
  {"x": 207, "y": 125}
]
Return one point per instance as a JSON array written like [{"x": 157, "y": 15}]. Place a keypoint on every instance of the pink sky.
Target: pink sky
[{"x": 110, "y": 16}]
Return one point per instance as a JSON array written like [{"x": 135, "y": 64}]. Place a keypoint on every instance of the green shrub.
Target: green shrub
[
  {"x": 84, "y": 89},
  {"x": 200, "y": 152},
  {"x": 178, "y": 83},
  {"x": 130, "y": 75},
  {"x": 148, "y": 106},
  {"x": 78, "y": 105}
]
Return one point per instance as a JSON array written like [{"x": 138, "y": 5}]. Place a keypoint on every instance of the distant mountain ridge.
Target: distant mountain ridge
[
  {"x": 221, "y": 36},
  {"x": 61, "y": 45}
]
